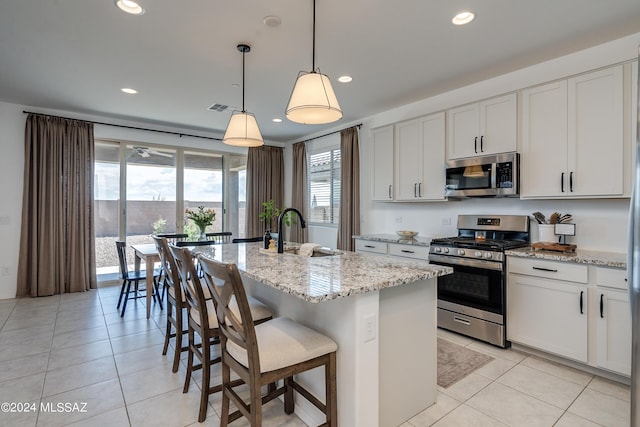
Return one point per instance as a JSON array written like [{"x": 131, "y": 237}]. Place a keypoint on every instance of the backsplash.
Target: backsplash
[{"x": 600, "y": 224}]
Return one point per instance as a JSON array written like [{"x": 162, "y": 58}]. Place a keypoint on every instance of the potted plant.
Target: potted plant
[{"x": 270, "y": 216}]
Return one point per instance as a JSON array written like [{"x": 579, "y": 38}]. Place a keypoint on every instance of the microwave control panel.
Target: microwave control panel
[{"x": 504, "y": 175}]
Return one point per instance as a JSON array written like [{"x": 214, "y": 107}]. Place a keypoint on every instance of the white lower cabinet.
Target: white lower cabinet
[
  {"x": 613, "y": 323},
  {"x": 577, "y": 311},
  {"x": 550, "y": 315},
  {"x": 420, "y": 252}
]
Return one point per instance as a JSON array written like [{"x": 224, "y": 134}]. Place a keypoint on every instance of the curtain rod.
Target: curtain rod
[
  {"x": 359, "y": 125},
  {"x": 127, "y": 127}
]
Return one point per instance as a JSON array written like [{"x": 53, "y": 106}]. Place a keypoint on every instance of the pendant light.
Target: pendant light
[
  {"x": 243, "y": 129},
  {"x": 313, "y": 100}
]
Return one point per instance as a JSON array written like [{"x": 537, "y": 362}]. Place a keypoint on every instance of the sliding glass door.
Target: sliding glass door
[
  {"x": 140, "y": 190},
  {"x": 151, "y": 192}
]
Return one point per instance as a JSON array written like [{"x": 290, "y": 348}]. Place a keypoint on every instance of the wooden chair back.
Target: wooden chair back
[
  {"x": 191, "y": 285},
  {"x": 225, "y": 285},
  {"x": 121, "y": 247},
  {"x": 247, "y": 239},
  {"x": 169, "y": 265},
  {"x": 220, "y": 237},
  {"x": 172, "y": 236}
]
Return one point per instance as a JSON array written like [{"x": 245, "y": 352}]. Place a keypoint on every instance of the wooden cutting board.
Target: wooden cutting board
[{"x": 558, "y": 247}]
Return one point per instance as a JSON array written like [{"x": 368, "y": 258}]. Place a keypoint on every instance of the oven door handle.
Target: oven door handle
[
  {"x": 465, "y": 262},
  {"x": 461, "y": 320}
]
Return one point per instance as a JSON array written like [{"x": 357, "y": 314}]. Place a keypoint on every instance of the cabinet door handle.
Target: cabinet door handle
[
  {"x": 389, "y": 190},
  {"x": 419, "y": 189},
  {"x": 571, "y": 181},
  {"x": 415, "y": 189},
  {"x": 581, "y": 302},
  {"x": 407, "y": 252},
  {"x": 481, "y": 147},
  {"x": 552, "y": 270},
  {"x": 602, "y": 306},
  {"x": 369, "y": 246},
  {"x": 562, "y": 182},
  {"x": 475, "y": 145}
]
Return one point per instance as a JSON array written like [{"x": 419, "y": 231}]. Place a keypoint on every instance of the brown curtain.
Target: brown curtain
[
  {"x": 349, "y": 224},
  {"x": 299, "y": 191},
  {"x": 265, "y": 181},
  {"x": 57, "y": 248}
]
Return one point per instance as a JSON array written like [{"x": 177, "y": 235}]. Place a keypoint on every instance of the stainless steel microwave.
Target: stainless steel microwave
[{"x": 486, "y": 176}]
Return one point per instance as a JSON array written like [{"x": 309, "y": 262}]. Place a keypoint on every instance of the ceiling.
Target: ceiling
[{"x": 76, "y": 55}]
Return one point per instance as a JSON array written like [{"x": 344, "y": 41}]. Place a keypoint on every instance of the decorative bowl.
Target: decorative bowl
[{"x": 406, "y": 234}]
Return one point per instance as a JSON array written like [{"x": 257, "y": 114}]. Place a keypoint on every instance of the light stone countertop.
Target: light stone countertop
[
  {"x": 580, "y": 256},
  {"x": 394, "y": 238},
  {"x": 317, "y": 279}
]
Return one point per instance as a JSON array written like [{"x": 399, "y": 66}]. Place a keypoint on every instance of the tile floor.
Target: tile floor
[{"x": 75, "y": 349}]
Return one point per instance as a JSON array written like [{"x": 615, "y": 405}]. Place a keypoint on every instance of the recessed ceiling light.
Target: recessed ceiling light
[
  {"x": 272, "y": 21},
  {"x": 276, "y": 120},
  {"x": 129, "y": 90},
  {"x": 129, "y": 6},
  {"x": 463, "y": 17},
  {"x": 344, "y": 79}
]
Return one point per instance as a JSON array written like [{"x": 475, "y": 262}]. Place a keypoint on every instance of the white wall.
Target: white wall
[{"x": 11, "y": 169}]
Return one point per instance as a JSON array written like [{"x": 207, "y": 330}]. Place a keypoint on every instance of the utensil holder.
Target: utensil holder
[{"x": 546, "y": 233}]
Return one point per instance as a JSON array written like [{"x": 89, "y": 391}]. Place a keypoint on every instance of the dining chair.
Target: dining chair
[
  {"x": 202, "y": 321},
  {"x": 176, "y": 302},
  {"x": 220, "y": 237},
  {"x": 264, "y": 353},
  {"x": 132, "y": 276},
  {"x": 247, "y": 239}
]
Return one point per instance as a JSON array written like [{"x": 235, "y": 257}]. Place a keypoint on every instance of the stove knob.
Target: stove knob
[
  {"x": 446, "y": 250},
  {"x": 487, "y": 255},
  {"x": 460, "y": 251},
  {"x": 478, "y": 254},
  {"x": 437, "y": 250}
]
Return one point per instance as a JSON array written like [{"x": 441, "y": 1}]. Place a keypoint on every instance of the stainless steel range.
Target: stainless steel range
[{"x": 472, "y": 300}]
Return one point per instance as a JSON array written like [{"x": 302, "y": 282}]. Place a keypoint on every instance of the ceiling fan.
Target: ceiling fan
[{"x": 146, "y": 151}]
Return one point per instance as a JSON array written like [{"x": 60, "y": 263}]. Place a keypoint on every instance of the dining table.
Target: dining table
[{"x": 148, "y": 252}]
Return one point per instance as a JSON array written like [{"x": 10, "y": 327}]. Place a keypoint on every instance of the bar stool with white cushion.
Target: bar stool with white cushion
[{"x": 265, "y": 353}]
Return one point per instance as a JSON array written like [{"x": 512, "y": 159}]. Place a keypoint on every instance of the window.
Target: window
[
  {"x": 323, "y": 169},
  {"x": 141, "y": 189}
]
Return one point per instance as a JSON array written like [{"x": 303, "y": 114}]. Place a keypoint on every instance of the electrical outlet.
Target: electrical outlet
[
  {"x": 370, "y": 327},
  {"x": 446, "y": 221},
  {"x": 398, "y": 220}
]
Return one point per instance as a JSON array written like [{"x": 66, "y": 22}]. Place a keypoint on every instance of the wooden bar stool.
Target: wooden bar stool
[
  {"x": 202, "y": 320},
  {"x": 265, "y": 353}
]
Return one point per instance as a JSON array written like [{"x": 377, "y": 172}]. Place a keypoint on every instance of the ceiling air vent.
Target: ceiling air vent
[{"x": 218, "y": 107}]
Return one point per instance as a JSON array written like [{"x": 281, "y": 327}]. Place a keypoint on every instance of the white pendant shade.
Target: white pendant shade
[
  {"x": 313, "y": 100},
  {"x": 243, "y": 130}
]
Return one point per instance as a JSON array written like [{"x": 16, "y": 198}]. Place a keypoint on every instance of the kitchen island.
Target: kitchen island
[{"x": 381, "y": 311}]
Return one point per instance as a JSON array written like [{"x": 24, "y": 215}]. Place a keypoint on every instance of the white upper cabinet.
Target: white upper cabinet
[
  {"x": 483, "y": 128},
  {"x": 419, "y": 159},
  {"x": 382, "y": 139},
  {"x": 573, "y": 137}
]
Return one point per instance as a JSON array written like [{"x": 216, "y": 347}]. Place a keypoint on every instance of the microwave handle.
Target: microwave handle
[{"x": 494, "y": 168}]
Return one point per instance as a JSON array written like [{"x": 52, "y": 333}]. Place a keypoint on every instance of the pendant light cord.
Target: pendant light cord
[
  {"x": 244, "y": 51},
  {"x": 313, "y": 55}
]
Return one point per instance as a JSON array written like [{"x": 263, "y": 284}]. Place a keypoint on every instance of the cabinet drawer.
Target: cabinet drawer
[
  {"x": 611, "y": 277},
  {"x": 409, "y": 251},
  {"x": 370, "y": 246},
  {"x": 549, "y": 269}
]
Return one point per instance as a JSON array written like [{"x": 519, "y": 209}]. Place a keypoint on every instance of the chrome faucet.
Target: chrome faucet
[{"x": 303, "y": 224}]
